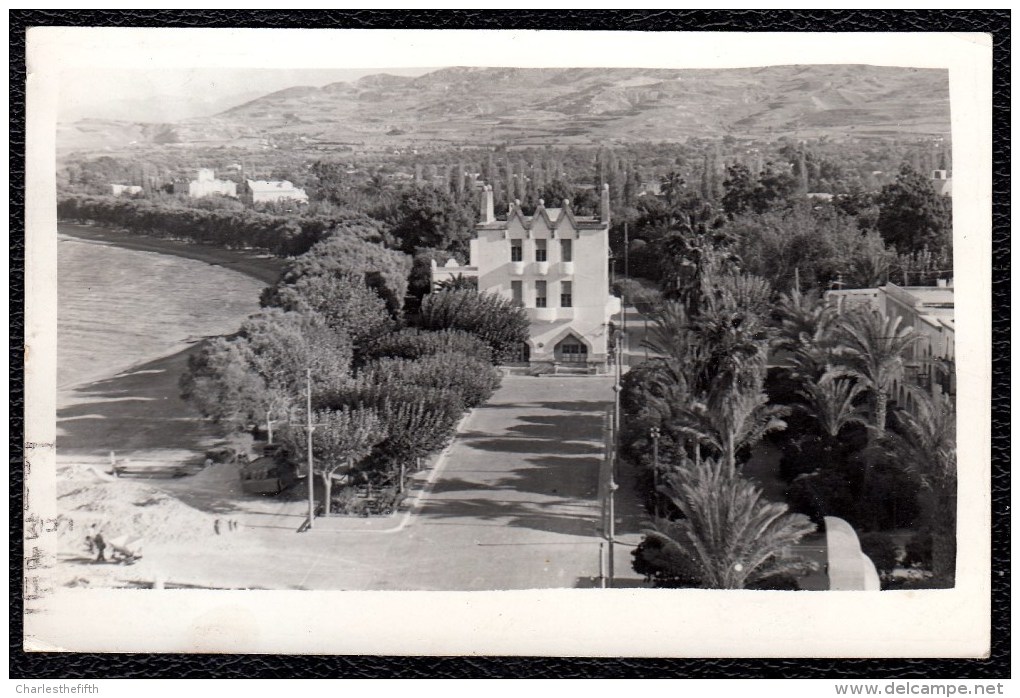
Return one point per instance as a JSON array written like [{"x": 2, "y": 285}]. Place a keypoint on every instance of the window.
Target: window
[
  {"x": 573, "y": 351},
  {"x": 540, "y": 250},
  {"x": 516, "y": 251},
  {"x": 566, "y": 294},
  {"x": 540, "y": 294},
  {"x": 567, "y": 250},
  {"x": 517, "y": 288}
]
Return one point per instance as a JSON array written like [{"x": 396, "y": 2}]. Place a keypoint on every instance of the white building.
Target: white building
[
  {"x": 555, "y": 264},
  {"x": 125, "y": 189},
  {"x": 943, "y": 182},
  {"x": 929, "y": 311},
  {"x": 207, "y": 185},
  {"x": 258, "y": 190}
]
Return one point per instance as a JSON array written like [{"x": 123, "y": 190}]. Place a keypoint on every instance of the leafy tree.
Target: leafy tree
[
  {"x": 496, "y": 320},
  {"x": 730, "y": 537},
  {"x": 413, "y": 343},
  {"x": 912, "y": 216},
  {"x": 330, "y": 181},
  {"x": 340, "y": 438},
  {"x": 745, "y": 192},
  {"x": 220, "y": 382},
  {"x": 343, "y": 301},
  {"x": 924, "y": 443},
  {"x": 470, "y": 378},
  {"x": 260, "y": 373},
  {"x": 419, "y": 283},
  {"x": 385, "y": 270},
  {"x": 430, "y": 217}
]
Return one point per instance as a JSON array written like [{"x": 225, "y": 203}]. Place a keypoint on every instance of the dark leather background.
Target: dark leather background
[{"x": 40, "y": 665}]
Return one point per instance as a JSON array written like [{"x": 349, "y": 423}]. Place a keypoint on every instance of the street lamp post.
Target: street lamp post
[
  {"x": 655, "y": 466},
  {"x": 611, "y": 487},
  {"x": 311, "y": 478}
]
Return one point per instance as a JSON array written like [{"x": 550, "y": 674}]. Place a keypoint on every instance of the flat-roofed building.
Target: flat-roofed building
[{"x": 266, "y": 191}]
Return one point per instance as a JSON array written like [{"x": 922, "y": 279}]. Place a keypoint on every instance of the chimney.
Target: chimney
[
  {"x": 487, "y": 212},
  {"x": 604, "y": 205}
]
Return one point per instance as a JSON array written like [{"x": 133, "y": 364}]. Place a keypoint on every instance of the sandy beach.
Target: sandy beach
[{"x": 136, "y": 409}]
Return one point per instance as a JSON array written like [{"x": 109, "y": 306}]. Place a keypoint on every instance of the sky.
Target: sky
[{"x": 172, "y": 94}]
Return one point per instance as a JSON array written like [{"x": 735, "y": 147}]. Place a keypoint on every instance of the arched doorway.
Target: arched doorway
[
  {"x": 571, "y": 350},
  {"x": 523, "y": 354}
]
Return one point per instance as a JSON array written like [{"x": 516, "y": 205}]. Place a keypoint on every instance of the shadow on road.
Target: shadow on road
[{"x": 553, "y": 516}]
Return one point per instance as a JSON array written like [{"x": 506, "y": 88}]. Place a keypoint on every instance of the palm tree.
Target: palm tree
[
  {"x": 924, "y": 443},
  {"x": 671, "y": 184},
  {"x": 729, "y": 536},
  {"x": 458, "y": 283},
  {"x": 870, "y": 349},
  {"x": 831, "y": 402},
  {"x": 729, "y": 420},
  {"x": 806, "y": 322},
  {"x": 732, "y": 326}
]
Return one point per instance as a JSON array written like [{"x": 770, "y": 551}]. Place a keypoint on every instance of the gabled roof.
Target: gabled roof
[{"x": 553, "y": 218}]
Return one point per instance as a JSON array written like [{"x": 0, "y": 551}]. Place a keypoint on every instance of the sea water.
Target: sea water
[{"x": 117, "y": 308}]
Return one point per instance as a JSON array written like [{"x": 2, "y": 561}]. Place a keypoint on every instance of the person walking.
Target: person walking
[{"x": 98, "y": 544}]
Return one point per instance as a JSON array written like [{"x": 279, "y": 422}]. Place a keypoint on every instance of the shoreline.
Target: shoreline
[
  {"x": 139, "y": 407},
  {"x": 264, "y": 268}
]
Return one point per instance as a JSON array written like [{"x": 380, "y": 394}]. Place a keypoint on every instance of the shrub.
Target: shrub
[
  {"x": 653, "y": 560},
  {"x": 779, "y": 582},
  {"x": 413, "y": 343},
  {"x": 918, "y": 550},
  {"x": 881, "y": 549},
  {"x": 824, "y": 493},
  {"x": 496, "y": 320},
  {"x": 471, "y": 379}
]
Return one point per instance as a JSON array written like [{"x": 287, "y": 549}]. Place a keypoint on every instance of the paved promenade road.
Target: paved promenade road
[
  {"x": 512, "y": 506},
  {"x": 515, "y": 506}
]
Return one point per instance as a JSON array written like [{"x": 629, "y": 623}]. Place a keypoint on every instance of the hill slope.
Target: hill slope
[{"x": 560, "y": 106}]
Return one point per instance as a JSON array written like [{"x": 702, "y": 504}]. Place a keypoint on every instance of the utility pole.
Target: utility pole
[
  {"x": 612, "y": 486},
  {"x": 655, "y": 465},
  {"x": 311, "y": 477},
  {"x": 626, "y": 251}
]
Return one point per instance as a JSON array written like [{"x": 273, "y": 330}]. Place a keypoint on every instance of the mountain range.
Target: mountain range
[{"x": 487, "y": 106}]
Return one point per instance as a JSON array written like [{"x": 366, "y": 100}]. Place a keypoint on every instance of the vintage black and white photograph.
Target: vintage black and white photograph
[{"x": 408, "y": 323}]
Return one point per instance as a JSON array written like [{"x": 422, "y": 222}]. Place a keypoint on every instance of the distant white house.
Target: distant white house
[
  {"x": 943, "y": 182},
  {"x": 207, "y": 185},
  {"x": 125, "y": 189},
  {"x": 258, "y": 191}
]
